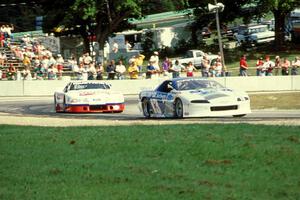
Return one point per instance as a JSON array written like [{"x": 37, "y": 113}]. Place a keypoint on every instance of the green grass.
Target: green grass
[
  {"x": 286, "y": 101},
  {"x": 150, "y": 162}
]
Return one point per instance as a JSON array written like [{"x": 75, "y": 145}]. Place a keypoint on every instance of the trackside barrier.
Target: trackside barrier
[{"x": 127, "y": 87}]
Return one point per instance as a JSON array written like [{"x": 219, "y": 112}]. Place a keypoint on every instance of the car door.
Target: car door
[{"x": 162, "y": 101}]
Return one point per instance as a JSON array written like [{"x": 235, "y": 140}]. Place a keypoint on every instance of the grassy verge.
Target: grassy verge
[
  {"x": 150, "y": 162},
  {"x": 275, "y": 101}
]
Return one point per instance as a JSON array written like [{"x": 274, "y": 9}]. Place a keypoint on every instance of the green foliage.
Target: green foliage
[{"x": 148, "y": 43}]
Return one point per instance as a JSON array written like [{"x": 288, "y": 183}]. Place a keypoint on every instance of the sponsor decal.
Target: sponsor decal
[{"x": 86, "y": 93}]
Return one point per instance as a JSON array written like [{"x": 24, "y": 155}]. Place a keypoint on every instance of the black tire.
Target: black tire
[
  {"x": 178, "y": 108},
  {"x": 146, "y": 108},
  {"x": 242, "y": 115},
  {"x": 55, "y": 104}
]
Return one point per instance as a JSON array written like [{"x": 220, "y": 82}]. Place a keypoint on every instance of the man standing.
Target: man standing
[
  {"x": 243, "y": 66},
  {"x": 111, "y": 70}
]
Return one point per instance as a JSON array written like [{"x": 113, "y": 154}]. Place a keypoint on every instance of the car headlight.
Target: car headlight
[{"x": 246, "y": 98}]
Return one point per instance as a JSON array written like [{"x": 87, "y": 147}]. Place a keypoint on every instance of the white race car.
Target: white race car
[
  {"x": 88, "y": 97},
  {"x": 193, "y": 97}
]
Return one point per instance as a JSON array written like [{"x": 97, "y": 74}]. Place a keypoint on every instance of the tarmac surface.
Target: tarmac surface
[{"x": 39, "y": 111}]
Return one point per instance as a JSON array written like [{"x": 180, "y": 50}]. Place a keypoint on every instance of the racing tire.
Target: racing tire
[
  {"x": 146, "y": 108},
  {"x": 62, "y": 110},
  {"x": 242, "y": 115},
  {"x": 55, "y": 105},
  {"x": 178, "y": 108}
]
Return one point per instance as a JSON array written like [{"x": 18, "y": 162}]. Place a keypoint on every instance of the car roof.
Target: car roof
[
  {"x": 87, "y": 82},
  {"x": 188, "y": 78}
]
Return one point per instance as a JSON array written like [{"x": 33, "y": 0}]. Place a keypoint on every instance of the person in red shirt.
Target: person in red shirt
[
  {"x": 243, "y": 66},
  {"x": 259, "y": 66},
  {"x": 2, "y": 38}
]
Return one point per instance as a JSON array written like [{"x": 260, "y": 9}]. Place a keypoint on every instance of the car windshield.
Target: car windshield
[
  {"x": 196, "y": 84},
  {"x": 86, "y": 86}
]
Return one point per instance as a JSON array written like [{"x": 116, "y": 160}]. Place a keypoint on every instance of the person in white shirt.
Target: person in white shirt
[
  {"x": 92, "y": 71},
  {"x": 128, "y": 45},
  {"x": 268, "y": 66},
  {"x": 26, "y": 74},
  {"x": 176, "y": 69},
  {"x": 154, "y": 61},
  {"x": 120, "y": 70}
]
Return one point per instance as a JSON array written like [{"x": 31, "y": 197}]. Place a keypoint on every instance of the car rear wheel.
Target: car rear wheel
[
  {"x": 146, "y": 108},
  {"x": 178, "y": 108}
]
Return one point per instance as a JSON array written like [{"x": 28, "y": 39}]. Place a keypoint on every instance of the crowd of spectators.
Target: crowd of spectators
[
  {"x": 39, "y": 63},
  {"x": 267, "y": 67}
]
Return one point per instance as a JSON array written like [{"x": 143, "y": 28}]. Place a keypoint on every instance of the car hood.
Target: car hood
[{"x": 214, "y": 95}]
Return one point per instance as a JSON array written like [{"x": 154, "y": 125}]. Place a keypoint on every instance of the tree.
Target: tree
[
  {"x": 100, "y": 18},
  {"x": 280, "y": 9},
  {"x": 249, "y": 9}
]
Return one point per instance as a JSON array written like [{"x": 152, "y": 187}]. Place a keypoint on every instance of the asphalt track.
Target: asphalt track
[{"x": 43, "y": 107}]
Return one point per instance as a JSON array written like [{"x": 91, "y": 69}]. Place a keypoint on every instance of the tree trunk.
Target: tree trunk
[{"x": 279, "y": 28}]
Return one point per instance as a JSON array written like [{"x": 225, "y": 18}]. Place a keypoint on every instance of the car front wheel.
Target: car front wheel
[{"x": 178, "y": 108}]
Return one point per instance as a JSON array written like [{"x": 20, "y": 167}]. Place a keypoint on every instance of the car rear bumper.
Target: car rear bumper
[{"x": 95, "y": 108}]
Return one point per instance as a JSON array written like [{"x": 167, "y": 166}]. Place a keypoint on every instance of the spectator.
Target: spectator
[
  {"x": 59, "y": 65},
  {"x": 218, "y": 67},
  {"x": 285, "y": 65},
  {"x": 92, "y": 71},
  {"x": 39, "y": 72},
  {"x": 2, "y": 58},
  {"x": 26, "y": 74},
  {"x": 3, "y": 29},
  {"x": 268, "y": 66},
  {"x": 277, "y": 65},
  {"x": 35, "y": 61},
  {"x": 26, "y": 61},
  {"x": 259, "y": 67},
  {"x": 205, "y": 66},
  {"x": 120, "y": 70},
  {"x": 190, "y": 68},
  {"x": 176, "y": 69},
  {"x": 154, "y": 61},
  {"x": 243, "y": 66},
  {"x": 128, "y": 46},
  {"x": 111, "y": 70},
  {"x": 295, "y": 66},
  {"x": 133, "y": 71},
  {"x": 151, "y": 71},
  {"x": 79, "y": 70},
  {"x": 72, "y": 63},
  {"x": 2, "y": 39},
  {"x": 86, "y": 59},
  {"x": 139, "y": 61},
  {"x": 11, "y": 73},
  {"x": 83, "y": 72},
  {"x": 99, "y": 71},
  {"x": 9, "y": 29},
  {"x": 166, "y": 66},
  {"x": 45, "y": 62},
  {"x": 52, "y": 72}
]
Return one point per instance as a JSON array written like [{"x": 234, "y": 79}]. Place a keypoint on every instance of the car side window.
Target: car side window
[
  {"x": 165, "y": 87},
  {"x": 66, "y": 89}
]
